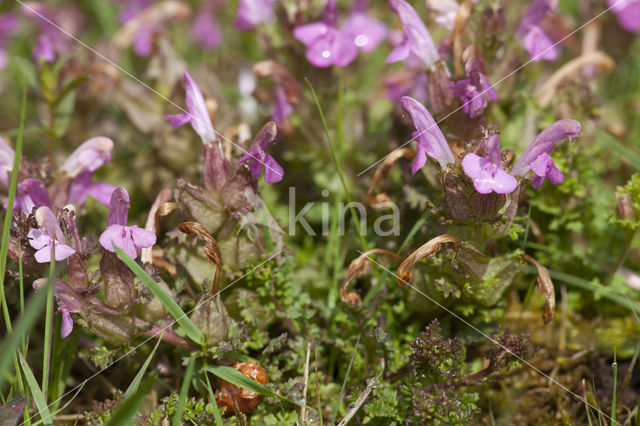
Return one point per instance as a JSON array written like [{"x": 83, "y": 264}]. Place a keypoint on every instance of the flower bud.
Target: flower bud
[
  {"x": 119, "y": 289},
  {"x": 212, "y": 318},
  {"x": 465, "y": 204}
]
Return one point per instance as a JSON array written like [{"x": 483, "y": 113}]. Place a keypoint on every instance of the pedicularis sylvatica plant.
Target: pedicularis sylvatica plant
[{"x": 153, "y": 152}]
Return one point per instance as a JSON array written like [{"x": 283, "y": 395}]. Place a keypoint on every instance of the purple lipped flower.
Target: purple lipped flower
[
  {"x": 537, "y": 159},
  {"x": 628, "y": 13},
  {"x": 258, "y": 156},
  {"x": 429, "y": 137},
  {"x": 69, "y": 301},
  {"x": 143, "y": 40},
  {"x": 533, "y": 37},
  {"x": 205, "y": 28},
  {"x": 486, "y": 172},
  {"x": 327, "y": 44},
  {"x": 475, "y": 90},
  {"x": 282, "y": 108},
  {"x": 8, "y": 27},
  {"x": 130, "y": 239},
  {"x": 417, "y": 42},
  {"x": 7, "y": 157},
  {"x": 31, "y": 193},
  {"x": 83, "y": 186},
  {"x": 252, "y": 13},
  {"x": 47, "y": 235},
  {"x": 198, "y": 114},
  {"x": 88, "y": 157},
  {"x": 366, "y": 32}
]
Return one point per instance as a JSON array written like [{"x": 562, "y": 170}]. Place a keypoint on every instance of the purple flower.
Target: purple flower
[
  {"x": 88, "y": 157},
  {"x": 69, "y": 301},
  {"x": 82, "y": 186},
  {"x": 258, "y": 156},
  {"x": 31, "y": 193},
  {"x": 417, "y": 42},
  {"x": 628, "y": 12},
  {"x": 8, "y": 27},
  {"x": 533, "y": 37},
  {"x": 326, "y": 44},
  {"x": 205, "y": 29},
  {"x": 537, "y": 159},
  {"x": 366, "y": 32},
  {"x": 49, "y": 234},
  {"x": 143, "y": 39},
  {"x": 475, "y": 90},
  {"x": 251, "y": 13},
  {"x": 198, "y": 114},
  {"x": 430, "y": 139},
  {"x": 282, "y": 108},
  {"x": 130, "y": 239},
  {"x": 7, "y": 157},
  {"x": 486, "y": 172}
]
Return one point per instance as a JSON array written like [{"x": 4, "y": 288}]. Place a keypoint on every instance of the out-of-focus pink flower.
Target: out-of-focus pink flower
[
  {"x": 628, "y": 12},
  {"x": 534, "y": 39},
  {"x": 282, "y": 108},
  {"x": 366, "y": 32},
  {"x": 417, "y": 41},
  {"x": 69, "y": 301},
  {"x": 7, "y": 157},
  {"x": 31, "y": 193},
  {"x": 88, "y": 157},
  {"x": 198, "y": 114},
  {"x": 47, "y": 235},
  {"x": 475, "y": 90},
  {"x": 273, "y": 172},
  {"x": 252, "y": 13},
  {"x": 445, "y": 11},
  {"x": 130, "y": 239},
  {"x": 205, "y": 28},
  {"x": 8, "y": 27}
]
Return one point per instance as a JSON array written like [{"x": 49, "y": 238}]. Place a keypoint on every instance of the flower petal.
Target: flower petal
[
  {"x": 310, "y": 32},
  {"x": 114, "y": 234},
  {"x": 38, "y": 239},
  {"x": 200, "y": 121},
  {"x": 177, "y": 120},
  {"x": 118, "y": 207},
  {"x": 421, "y": 158},
  {"x": 67, "y": 323},
  {"x": 142, "y": 238},
  {"x": 419, "y": 38},
  {"x": 273, "y": 172}
]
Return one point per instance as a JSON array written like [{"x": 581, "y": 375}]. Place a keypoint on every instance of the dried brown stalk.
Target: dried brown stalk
[
  {"x": 157, "y": 210},
  {"x": 464, "y": 13},
  {"x": 358, "y": 267},
  {"x": 545, "y": 287},
  {"x": 380, "y": 201},
  {"x": 426, "y": 251},
  {"x": 211, "y": 249},
  {"x": 570, "y": 70}
]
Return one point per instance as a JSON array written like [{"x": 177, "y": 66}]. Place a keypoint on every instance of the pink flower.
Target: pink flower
[
  {"x": 486, "y": 172},
  {"x": 49, "y": 234},
  {"x": 628, "y": 12},
  {"x": 417, "y": 43},
  {"x": 130, "y": 239},
  {"x": 533, "y": 37},
  {"x": 205, "y": 28},
  {"x": 273, "y": 172},
  {"x": 252, "y": 13}
]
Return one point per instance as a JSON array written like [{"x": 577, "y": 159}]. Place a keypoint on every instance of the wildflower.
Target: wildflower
[
  {"x": 198, "y": 114},
  {"x": 8, "y": 27},
  {"x": 417, "y": 41},
  {"x": 475, "y": 90},
  {"x": 537, "y": 159},
  {"x": 205, "y": 29},
  {"x": 486, "y": 172},
  {"x": 7, "y": 157},
  {"x": 326, "y": 44},
  {"x": 143, "y": 40},
  {"x": 130, "y": 239},
  {"x": 69, "y": 301},
  {"x": 287, "y": 89},
  {"x": 534, "y": 39},
  {"x": 628, "y": 12},
  {"x": 430, "y": 139},
  {"x": 47, "y": 236},
  {"x": 258, "y": 156},
  {"x": 366, "y": 32},
  {"x": 31, "y": 193},
  {"x": 251, "y": 13},
  {"x": 282, "y": 108},
  {"x": 82, "y": 164},
  {"x": 446, "y": 12}
]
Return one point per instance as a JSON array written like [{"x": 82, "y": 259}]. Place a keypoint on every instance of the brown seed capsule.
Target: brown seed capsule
[{"x": 247, "y": 400}]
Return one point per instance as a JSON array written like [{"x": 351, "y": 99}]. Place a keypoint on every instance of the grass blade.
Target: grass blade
[
  {"x": 36, "y": 392},
  {"x": 129, "y": 406},
  {"x": 235, "y": 377},
  {"x": 25, "y": 323},
  {"x": 184, "y": 394},
  {"x": 344, "y": 383},
  {"x": 135, "y": 384},
  {"x": 212, "y": 396},
  {"x": 174, "y": 309}
]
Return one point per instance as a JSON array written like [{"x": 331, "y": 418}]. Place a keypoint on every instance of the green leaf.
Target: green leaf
[
  {"x": 135, "y": 384},
  {"x": 174, "y": 309},
  {"x": 36, "y": 393},
  {"x": 184, "y": 393},
  {"x": 235, "y": 377},
  {"x": 129, "y": 406}
]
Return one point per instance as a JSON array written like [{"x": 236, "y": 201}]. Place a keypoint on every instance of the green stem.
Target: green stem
[
  {"x": 614, "y": 404},
  {"x": 46, "y": 361}
]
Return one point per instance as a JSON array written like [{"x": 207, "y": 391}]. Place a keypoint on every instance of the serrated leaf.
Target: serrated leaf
[{"x": 174, "y": 309}]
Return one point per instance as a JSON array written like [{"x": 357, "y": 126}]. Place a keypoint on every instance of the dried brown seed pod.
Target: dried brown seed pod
[{"x": 247, "y": 400}]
